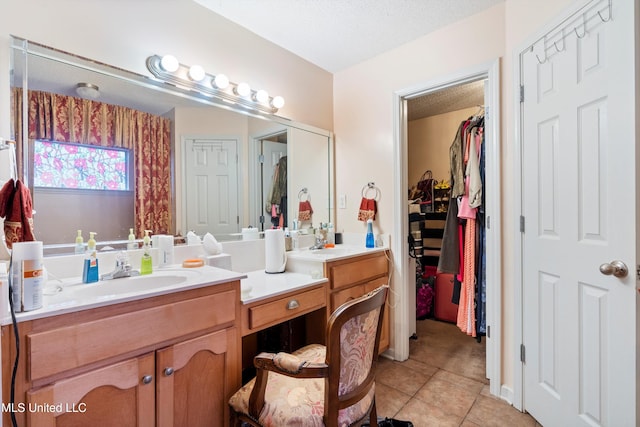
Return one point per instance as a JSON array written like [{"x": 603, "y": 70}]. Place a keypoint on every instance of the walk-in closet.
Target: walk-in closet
[{"x": 445, "y": 135}]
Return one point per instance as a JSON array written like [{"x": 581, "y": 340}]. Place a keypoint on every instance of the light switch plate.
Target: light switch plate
[{"x": 342, "y": 201}]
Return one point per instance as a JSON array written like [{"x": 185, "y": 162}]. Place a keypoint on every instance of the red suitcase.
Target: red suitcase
[{"x": 444, "y": 309}]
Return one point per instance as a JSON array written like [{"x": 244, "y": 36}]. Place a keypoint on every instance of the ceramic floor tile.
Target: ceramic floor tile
[
  {"x": 449, "y": 397},
  {"x": 491, "y": 412},
  {"x": 423, "y": 414},
  {"x": 460, "y": 380},
  {"x": 401, "y": 377},
  {"x": 389, "y": 400}
]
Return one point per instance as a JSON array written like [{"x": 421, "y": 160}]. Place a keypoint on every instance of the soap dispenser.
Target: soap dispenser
[
  {"x": 132, "y": 241},
  {"x": 146, "y": 264},
  {"x": 90, "y": 270},
  {"x": 79, "y": 243}
]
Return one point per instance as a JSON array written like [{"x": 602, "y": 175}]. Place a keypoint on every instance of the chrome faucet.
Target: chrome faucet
[
  {"x": 320, "y": 242},
  {"x": 123, "y": 268}
]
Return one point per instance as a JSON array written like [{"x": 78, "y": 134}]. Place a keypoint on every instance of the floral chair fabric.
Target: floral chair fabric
[{"x": 300, "y": 402}]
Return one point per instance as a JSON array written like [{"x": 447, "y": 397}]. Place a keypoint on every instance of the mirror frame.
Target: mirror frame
[{"x": 27, "y": 47}]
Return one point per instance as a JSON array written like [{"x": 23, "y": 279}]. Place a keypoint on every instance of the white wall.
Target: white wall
[
  {"x": 125, "y": 33},
  {"x": 363, "y": 108}
]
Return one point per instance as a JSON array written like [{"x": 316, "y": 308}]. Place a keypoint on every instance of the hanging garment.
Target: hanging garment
[
  {"x": 17, "y": 210},
  {"x": 456, "y": 162},
  {"x": 466, "y": 311}
]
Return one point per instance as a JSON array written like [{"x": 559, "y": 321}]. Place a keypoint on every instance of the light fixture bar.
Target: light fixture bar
[{"x": 183, "y": 77}]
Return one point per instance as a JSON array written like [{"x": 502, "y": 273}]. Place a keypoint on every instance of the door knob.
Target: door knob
[
  {"x": 147, "y": 379},
  {"x": 616, "y": 268},
  {"x": 168, "y": 371}
]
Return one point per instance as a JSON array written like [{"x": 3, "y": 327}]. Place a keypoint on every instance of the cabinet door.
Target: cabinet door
[
  {"x": 196, "y": 379},
  {"x": 122, "y": 394},
  {"x": 340, "y": 297},
  {"x": 384, "y": 334}
]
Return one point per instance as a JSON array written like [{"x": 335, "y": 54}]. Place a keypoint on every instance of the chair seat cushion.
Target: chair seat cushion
[{"x": 298, "y": 402}]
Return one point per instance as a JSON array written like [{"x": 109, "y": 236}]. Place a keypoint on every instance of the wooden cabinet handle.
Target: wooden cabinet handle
[
  {"x": 293, "y": 304},
  {"x": 147, "y": 379},
  {"x": 168, "y": 371}
]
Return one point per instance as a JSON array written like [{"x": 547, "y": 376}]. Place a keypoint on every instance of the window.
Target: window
[{"x": 78, "y": 166}]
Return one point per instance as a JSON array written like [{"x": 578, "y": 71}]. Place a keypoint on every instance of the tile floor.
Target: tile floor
[{"x": 443, "y": 383}]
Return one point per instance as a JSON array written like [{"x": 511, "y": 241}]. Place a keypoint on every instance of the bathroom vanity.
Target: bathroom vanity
[{"x": 163, "y": 357}]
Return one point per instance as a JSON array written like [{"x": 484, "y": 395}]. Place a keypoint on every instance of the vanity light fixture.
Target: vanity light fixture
[
  {"x": 87, "y": 90},
  {"x": 243, "y": 89},
  {"x": 169, "y": 70},
  {"x": 196, "y": 73},
  {"x": 262, "y": 96}
]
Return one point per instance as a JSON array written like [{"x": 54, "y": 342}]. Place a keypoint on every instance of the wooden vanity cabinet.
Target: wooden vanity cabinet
[
  {"x": 352, "y": 277},
  {"x": 165, "y": 361}
]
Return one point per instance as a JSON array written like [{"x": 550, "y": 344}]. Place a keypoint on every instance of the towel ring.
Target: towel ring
[
  {"x": 303, "y": 193},
  {"x": 371, "y": 186}
]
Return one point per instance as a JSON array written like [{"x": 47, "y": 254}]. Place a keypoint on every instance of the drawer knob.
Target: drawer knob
[
  {"x": 147, "y": 379},
  {"x": 168, "y": 371},
  {"x": 293, "y": 304}
]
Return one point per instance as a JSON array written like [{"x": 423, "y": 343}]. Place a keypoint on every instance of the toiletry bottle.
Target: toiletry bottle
[
  {"x": 146, "y": 265},
  {"x": 331, "y": 236},
  {"x": 79, "y": 243},
  {"x": 370, "y": 242},
  {"x": 90, "y": 270},
  {"x": 132, "y": 241}
]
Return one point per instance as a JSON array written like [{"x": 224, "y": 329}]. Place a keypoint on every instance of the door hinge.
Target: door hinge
[
  {"x": 261, "y": 158},
  {"x": 261, "y": 219},
  {"x": 522, "y": 223},
  {"x": 638, "y": 272},
  {"x": 488, "y": 223},
  {"x": 522, "y": 355},
  {"x": 521, "y": 93},
  {"x": 488, "y": 331}
]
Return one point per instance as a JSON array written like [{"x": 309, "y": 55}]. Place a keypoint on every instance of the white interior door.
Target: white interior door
[
  {"x": 579, "y": 208},
  {"x": 211, "y": 173}
]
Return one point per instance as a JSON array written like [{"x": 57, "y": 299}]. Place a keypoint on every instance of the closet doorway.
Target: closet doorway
[{"x": 451, "y": 100}]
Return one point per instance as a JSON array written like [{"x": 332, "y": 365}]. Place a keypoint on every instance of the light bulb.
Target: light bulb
[
  {"x": 277, "y": 102},
  {"x": 169, "y": 63},
  {"x": 243, "y": 89},
  {"x": 196, "y": 73},
  {"x": 262, "y": 96},
  {"x": 221, "y": 81}
]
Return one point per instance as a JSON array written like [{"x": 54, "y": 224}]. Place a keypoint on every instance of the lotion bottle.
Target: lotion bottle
[
  {"x": 79, "y": 243},
  {"x": 146, "y": 264},
  {"x": 132, "y": 241},
  {"x": 90, "y": 270}
]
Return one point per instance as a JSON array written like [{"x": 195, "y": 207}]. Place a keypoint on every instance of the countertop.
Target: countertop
[
  {"x": 332, "y": 254},
  {"x": 71, "y": 295},
  {"x": 259, "y": 285}
]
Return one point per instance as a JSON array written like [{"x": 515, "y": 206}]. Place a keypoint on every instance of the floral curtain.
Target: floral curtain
[{"x": 69, "y": 119}]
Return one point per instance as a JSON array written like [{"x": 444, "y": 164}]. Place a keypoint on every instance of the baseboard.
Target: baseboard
[{"x": 506, "y": 394}]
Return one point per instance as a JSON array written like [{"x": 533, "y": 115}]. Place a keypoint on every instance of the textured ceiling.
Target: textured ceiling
[
  {"x": 446, "y": 100},
  {"x": 336, "y": 34}
]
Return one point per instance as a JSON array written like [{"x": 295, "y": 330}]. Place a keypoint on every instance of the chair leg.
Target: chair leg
[{"x": 373, "y": 415}]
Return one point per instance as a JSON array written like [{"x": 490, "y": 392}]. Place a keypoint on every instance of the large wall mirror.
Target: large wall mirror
[{"x": 222, "y": 162}]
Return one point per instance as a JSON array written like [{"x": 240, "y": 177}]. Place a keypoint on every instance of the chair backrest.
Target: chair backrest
[{"x": 353, "y": 335}]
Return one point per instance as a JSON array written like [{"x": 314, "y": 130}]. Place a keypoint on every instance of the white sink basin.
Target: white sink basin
[{"x": 105, "y": 289}]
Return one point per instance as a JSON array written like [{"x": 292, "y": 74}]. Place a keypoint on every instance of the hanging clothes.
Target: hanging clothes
[
  {"x": 464, "y": 243},
  {"x": 276, "y": 204}
]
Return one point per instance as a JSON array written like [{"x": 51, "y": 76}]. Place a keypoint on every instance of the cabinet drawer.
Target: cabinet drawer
[
  {"x": 340, "y": 297},
  {"x": 286, "y": 308},
  {"x": 89, "y": 342},
  {"x": 358, "y": 271}
]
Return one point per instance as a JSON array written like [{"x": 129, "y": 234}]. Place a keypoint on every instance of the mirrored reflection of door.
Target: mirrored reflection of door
[
  {"x": 211, "y": 172},
  {"x": 272, "y": 152}
]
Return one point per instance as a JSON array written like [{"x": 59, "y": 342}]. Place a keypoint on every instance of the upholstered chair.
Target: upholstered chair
[{"x": 318, "y": 385}]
